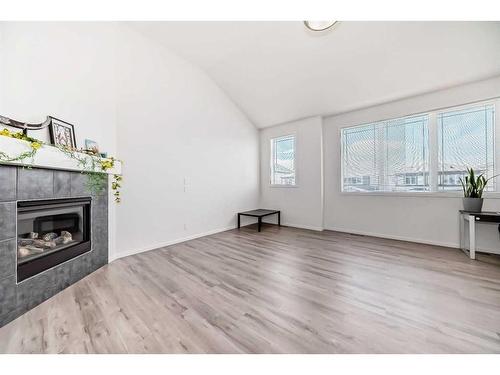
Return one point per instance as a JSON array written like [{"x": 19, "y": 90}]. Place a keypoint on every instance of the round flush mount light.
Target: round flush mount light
[{"x": 319, "y": 25}]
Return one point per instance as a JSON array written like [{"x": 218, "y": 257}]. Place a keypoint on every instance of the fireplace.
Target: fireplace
[{"x": 50, "y": 232}]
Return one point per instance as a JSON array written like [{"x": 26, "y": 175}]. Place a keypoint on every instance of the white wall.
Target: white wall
[
  {"x": 191, "y": 157},
  {"x": 63, "y": 69},
  {"x": 2, "y": 72},
  {"x": 302, "y": 206},
  {"x": 420, "y": 219},
  {"x": 176, "y": 130},
  {"x": 163, "y": 117}
]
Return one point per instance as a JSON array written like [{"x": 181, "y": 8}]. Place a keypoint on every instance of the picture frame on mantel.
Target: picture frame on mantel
[{"x": 62, "y": 133}]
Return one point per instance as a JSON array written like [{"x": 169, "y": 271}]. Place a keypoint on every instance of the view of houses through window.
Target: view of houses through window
[
  {"x": 394, "y": 155},
  {"x": 283, "y": 160},
  {"x": 387, "y": 155}
]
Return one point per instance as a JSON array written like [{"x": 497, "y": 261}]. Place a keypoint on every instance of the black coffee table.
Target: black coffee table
[{"x": 259, "y": 214}]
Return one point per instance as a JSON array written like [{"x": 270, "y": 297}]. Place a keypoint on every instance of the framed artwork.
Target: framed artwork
[{"x": 62, "y": 133}]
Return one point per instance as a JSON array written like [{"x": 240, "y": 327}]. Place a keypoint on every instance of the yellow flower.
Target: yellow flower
[
  {"x": 106, "y": 164},
  {"x": 35, "y": 145},
  {"x": 5, "y": 132}
]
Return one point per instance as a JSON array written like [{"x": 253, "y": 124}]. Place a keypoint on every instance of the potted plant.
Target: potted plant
[{"x": 473, "y": 188}]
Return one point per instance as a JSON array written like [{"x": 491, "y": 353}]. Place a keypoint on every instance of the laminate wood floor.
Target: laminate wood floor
[{"x": 283, "y": 290}]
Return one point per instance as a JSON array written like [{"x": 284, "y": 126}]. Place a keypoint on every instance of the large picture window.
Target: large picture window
[
  {"x": 465, "y": 140},
  {"x": 283, "y": 160},
  {"x": 427, "y": 152},
  {"x": 387, "y": 156}
]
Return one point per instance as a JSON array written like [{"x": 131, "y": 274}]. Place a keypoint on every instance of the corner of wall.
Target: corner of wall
[{"x": 322, "y": 148}]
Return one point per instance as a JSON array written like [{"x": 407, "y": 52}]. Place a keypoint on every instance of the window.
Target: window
[
  {"x": 283, "y": 160},
  {"x": 411, "y": 180},
  {"x": 427, "y": 152},
  {"x": 387, "y": 155},
  {"x": 465, "y": 139}
]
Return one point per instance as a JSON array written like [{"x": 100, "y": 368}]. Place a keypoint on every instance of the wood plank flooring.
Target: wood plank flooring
[{"x": 283, "y": 290}]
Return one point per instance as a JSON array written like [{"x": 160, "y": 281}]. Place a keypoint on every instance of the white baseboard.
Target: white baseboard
[
  {"x": 412, "y": 239},
  {"x": 343, "y": 230},
  {"x": 287, "y": 224},
  {"x": 391, "y": 237},
  {"x": 184, "y": 239},
  {"x": 167, "y": 243},
  {"x": 300, "y": 226}
]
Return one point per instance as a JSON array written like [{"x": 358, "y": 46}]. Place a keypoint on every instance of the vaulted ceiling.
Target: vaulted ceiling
[{"x": 279, "y": 71}]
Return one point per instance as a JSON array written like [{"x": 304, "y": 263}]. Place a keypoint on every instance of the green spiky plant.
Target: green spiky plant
[{"x": 473, "y": 186}]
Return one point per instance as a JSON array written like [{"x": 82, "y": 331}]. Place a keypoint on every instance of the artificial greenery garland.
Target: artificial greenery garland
[
  {"x": 94, "y": 167},
  {"x": 34, "y": 143}
]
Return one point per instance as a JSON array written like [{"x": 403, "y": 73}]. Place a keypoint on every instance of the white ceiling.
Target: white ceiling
[{"x": 278, "y": 71}]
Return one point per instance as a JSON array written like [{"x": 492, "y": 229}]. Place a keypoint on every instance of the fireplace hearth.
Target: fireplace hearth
[{"x": 50, "y": 232}]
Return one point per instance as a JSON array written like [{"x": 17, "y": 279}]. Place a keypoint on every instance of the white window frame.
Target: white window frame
[
  {"x": 433, "y": 154},
  {"x": 271, "y": 160}
]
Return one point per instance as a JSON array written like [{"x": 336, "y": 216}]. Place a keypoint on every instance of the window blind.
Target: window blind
[
  {"x": 465, "y": 139},
  {"x": 388, "y": 155}
]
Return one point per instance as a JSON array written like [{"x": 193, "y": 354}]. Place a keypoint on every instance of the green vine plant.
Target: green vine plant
[
  {"x": 35, "y": 145},
  {"x": 91, "y": 164}
]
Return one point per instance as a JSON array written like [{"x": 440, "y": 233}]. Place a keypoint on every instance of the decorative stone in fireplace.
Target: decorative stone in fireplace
[{"x": 49, "y": 236}]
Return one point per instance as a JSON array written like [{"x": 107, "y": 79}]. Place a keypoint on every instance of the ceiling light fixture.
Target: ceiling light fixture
[{"x": 319, "y": 25}]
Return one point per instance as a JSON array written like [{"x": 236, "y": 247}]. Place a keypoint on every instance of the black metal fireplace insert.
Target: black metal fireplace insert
[{"x": 50, "y": 232}]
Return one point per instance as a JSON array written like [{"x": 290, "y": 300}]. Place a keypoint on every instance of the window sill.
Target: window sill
[
  {"x": 456, "y": 195},
  {"x": 283, "y": 186}
]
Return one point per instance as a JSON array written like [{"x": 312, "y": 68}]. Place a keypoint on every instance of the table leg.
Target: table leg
[
  {"x": 238, "y": 221},
  {"x": 461, "y": 231},
  {"x": 259, "y": 224},
  {"x": 279, "y": 219},
  {"x": 472, "y": 237}
]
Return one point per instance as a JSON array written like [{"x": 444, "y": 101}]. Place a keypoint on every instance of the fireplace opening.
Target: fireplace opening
[{"x": 51, "y": 232}]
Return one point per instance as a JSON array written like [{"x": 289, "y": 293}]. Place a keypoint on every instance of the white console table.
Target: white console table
[{"x": 471, "y": 219}]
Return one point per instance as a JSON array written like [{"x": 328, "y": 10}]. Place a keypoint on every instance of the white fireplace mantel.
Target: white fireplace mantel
[{"x": 47, "y": 156}]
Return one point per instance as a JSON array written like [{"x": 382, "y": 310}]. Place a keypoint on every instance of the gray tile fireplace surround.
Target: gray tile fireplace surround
[{"x": 17, "y": 183}]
